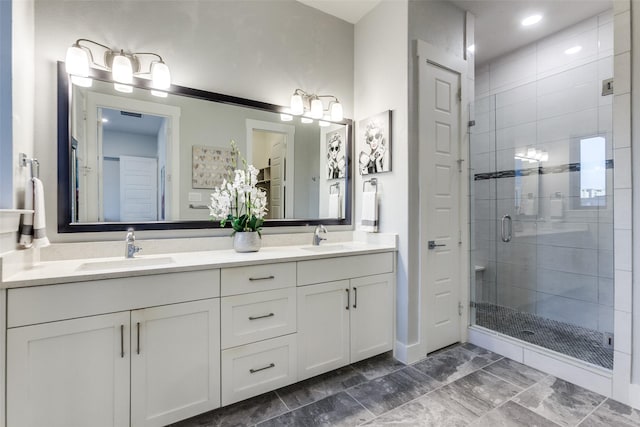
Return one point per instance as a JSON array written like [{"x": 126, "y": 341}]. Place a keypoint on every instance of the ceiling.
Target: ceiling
[
  {"x": 497, "y": 28},
  {"x": 144, "y": 125}
]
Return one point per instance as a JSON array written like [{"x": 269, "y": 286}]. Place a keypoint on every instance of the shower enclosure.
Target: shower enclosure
[{"x": 541, "y": 213}]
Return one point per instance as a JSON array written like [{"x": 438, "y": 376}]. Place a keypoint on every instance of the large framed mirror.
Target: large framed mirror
[{"x": 142, "y": 161}]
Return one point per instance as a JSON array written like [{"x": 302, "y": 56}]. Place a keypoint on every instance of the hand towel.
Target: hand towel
[
  {"x": 334, "y": 205},
  {"x": 26, "y": 235},
  {"x": 39, "y": 225},
  {"x": 369, "y": 221}
]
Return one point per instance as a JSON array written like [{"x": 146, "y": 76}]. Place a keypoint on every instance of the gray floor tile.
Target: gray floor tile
[
  {"x": 319, "y": 387},
  {"x": 454, "y": 363},
  {"x": 612, "y": 413},
  {"x": 565, "y": 403},
  {"x": 513, "y": 415},
  {"x": 433, "y": 409},
  {"x": 247, "y": 412},
  {"x": 378, "y": 366},
  {"x": 392, "y": 390},
  {"x": 337, "y": 410},
  {"x": 480, "y": 392},
  {"x": 516, "y": 373}
]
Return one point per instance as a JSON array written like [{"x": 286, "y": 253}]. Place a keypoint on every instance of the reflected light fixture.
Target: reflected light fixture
[
  {"x": 123, "y": 66},
  {"x": 531, "y": 20},
  {"x": 532, "y": 155},
  {"x": 312, "y": 106}
]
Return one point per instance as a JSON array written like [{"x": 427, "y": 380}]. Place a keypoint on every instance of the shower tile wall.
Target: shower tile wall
[{"x": 559, "y": 263}]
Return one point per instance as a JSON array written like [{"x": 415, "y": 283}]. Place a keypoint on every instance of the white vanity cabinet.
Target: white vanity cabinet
[
  {"x": 259, "y": 351},
  {"x": 344, "y": 321},
  {"x": 70, "y": 373},
  {"x": 140, "y": 367}
]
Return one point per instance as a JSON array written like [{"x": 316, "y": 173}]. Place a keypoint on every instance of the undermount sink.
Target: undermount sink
[
  {"x": 125, "y": 263},
  {"x": 326, "y": 248}
]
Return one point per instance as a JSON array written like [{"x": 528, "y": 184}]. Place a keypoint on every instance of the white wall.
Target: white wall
[
  {"x": 260, "y": 50},
  {"x": 381, "y": 84},
  {"x": 6, "y": 113}
]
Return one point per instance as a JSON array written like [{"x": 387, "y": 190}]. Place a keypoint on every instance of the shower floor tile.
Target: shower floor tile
[{"x": 581, "y": 343}]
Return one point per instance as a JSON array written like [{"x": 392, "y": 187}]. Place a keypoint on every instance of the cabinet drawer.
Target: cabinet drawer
[
  {"x": 41, "y": 304},
  {"x": 348, "y": 267},
  {"x": 258, "y": 316},
  {"x": 255, "y": 278},
  {"x": 256, "y": 368}
]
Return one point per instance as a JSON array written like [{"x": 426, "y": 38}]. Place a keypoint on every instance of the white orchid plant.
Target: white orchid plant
[{"x": 239, "y": 201}]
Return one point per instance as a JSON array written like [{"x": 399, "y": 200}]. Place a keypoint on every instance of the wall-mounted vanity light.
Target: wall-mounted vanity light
[
  {"x": 123, "y": 66},
  {"x": 311, "y": 106}
]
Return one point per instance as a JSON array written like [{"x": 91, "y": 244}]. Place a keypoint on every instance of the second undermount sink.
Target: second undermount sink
[
  {"x": 329, "y": 247},
  {"x": 110, "y": 264}
]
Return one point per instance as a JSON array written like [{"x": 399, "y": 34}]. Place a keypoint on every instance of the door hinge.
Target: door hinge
[
  {"x": 471, "y": 123},
  {"x": 460, "y": 307},
  {"x": 459, "y": 237},
  {"x": 460, "y": 95},
  {"x": 459, "y": 161}
]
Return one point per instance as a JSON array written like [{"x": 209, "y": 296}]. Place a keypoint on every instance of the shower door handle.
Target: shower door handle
[{"x": 506, "y": 237}]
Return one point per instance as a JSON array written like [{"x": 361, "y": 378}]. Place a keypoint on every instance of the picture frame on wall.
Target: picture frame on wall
[
  {"x": 374, "y": 142},
  {"x": 210, "y": 166},
  {"x": 336, "y": 163}
]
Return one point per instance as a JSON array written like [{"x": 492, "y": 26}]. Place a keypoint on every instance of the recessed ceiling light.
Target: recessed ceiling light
[
  {"x": 530, "y": 20},
  {"x": 471, "y": 48},
  {"x": 573, "y": 50}
]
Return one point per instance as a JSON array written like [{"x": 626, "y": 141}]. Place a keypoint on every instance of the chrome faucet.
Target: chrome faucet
[
  {"x": 131, "y": 249},
  {"x": 316, "y": 234}
]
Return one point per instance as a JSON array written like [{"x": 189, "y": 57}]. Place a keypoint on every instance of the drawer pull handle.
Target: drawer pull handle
[
  {"x": 138, "y": 338},
  {"x": 261, "y": 317},
  {"x": 271, "y": 365},
  {"x": 253, "y": 279},
  {"x": 355, "y": 299},
  {"x": 348, "y": 299}
]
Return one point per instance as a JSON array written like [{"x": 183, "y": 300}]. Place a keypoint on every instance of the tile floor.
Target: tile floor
[{"x": 458, "y": 386}]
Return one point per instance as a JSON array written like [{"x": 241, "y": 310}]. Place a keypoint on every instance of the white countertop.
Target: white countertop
[{"x": 77, "y": 270}]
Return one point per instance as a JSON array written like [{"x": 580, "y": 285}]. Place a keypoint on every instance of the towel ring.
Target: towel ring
[
  {"x": 23, "y": 160},
  {"x": 336, "y": 185},
  {"x": 373, "y": 182}
]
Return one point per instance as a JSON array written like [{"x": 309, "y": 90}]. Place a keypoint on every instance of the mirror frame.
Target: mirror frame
[{"x": 64, "y": 162}]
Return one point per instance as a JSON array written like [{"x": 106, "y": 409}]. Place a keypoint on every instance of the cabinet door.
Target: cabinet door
[
  {"x": 372, "y": 308},
  {"x": 323, "y": 328},
  {"x": 175, "y": 362},
  {"x": 72, "y": 373}
]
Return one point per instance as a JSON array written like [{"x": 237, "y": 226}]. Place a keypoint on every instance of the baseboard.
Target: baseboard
[{"x": 407, "y": 354}]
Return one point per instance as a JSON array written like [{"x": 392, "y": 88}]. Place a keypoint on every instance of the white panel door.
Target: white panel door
[
  {"x": 371, "y": 316},
  {"x": 72, "y": 373},
  {"x": 175, "y": 362},
  {"x": 440, "y": 204},
  {"x": 277, "y": 195},
  {"x": 323, "y": 328},
  {"x": 138, "y": 189}
]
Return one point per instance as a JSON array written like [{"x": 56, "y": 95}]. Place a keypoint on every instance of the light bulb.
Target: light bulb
[
  {"x": 336, "y": 112},
  {"x": 77, "y": 61},
  {"x": 160, "y": 75},
  {"x": 121, "y": 69},
  {"x": 316, "y": 108},
  {"x": 297, "y": 107},
  {"x": 122, "y": 88}
]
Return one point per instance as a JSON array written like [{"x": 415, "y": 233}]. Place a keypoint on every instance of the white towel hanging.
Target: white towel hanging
[
  {"x": 26, "y": 235},
  {"x": 369, "y": 221},
  {"x": 39, "y": 224}
]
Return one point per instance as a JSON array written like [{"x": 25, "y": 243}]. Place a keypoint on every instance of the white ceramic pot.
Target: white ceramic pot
[{"x": 246, "y": 241}]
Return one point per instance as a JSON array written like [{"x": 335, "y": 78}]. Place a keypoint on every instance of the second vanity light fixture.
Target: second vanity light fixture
[
  {"x": 123, "y": 66},
  {"x": 310, "y": 106}
]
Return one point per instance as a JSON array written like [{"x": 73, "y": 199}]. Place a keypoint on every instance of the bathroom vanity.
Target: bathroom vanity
[{"x": 105, "y": 342}]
